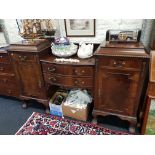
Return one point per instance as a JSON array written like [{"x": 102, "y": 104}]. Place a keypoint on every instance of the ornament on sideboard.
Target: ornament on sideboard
[
  {"x": 63, "y": 48},
  {"x": 85, "y": 51},
  {"x": 36, "y": 28},
  {"x": 123, "y": 35}
]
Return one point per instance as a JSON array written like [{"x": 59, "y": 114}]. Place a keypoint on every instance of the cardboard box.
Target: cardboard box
[
  {"x": 79, "y": 114},
  {"x": 56, "y": 109}
]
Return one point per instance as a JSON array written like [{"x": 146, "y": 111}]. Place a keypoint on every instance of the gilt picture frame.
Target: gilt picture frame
[{"x": 80, "y": 27}]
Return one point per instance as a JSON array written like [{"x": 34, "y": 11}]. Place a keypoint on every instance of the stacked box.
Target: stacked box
[{"x": 54, "y": 108}]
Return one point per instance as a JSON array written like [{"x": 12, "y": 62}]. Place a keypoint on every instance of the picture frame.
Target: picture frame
[
  {"x": 148, "y": 126},
  {"x": 80, "y": 27}
]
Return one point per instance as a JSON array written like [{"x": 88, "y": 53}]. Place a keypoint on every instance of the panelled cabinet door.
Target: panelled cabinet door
[
  {"x": 30, "y": 79},
  {"x": 117, "y": 90}
]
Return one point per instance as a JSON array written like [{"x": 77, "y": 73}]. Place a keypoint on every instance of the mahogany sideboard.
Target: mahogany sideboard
[
  {"x": 69, "y": 74},
  {"x": 115, "y": 76}
]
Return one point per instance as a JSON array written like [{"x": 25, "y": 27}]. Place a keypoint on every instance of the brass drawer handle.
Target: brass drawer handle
[
  {"x": 1, "y": 69},
  {"x": 76, "y": 82},
  {"x": 51, "y": 69},
  {"x": 123, "y": 62},
  {"x": 83, "y": 82},
  {"x": 83, "y": 71},
  {"x": 119, "y": 63},
  {"x": 22, "y": 58},
  {"x": 114, "y": 63},
  {"x": 9, "y": 91},
  {"x": 52, "y": 79},
  {"x": 75, "y": 71}
]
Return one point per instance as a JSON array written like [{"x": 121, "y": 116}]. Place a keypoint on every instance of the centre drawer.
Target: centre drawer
[
  {"x": 120, "y": 63},
  {"x": 67, "y": 70},
  {"x": 68, "y": 81}
]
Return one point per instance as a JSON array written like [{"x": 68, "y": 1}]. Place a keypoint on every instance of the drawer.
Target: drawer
[
  {"x": 69, "y": 81},
  {"x": 8, "y": 86},
  {"x": 24, "y": 57},
  {"x": 120, "y": 63},
  {"x": 6, "y": 68},
  {"x": 67, "y": 70},
  {"x": 4, "y": 58}
]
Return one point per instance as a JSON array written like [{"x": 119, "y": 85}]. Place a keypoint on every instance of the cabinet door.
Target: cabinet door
[
  {"x": 30, "y": 79},
  {"x": 117, "y": 91}
]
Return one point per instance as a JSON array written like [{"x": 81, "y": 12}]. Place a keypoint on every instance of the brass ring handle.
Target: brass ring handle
[
  {"x": 76, "y": 82},
  {"x": 118, "y": 64},
  {"x": 123, "y": 62},
  {"x": 52, "y": 78},
  {"x": 51, "y": 69},
  {"x": 83, "y": 71},
  {"x": 76, "y": 71},
  {"x": 83, "y": 82},
  {"x": 1, "y": 69},
  {"x": 22, "y": 58},
  {"x": 114, "y": 63}
]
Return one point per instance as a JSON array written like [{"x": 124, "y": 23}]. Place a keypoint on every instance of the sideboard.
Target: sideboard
[
  {"x": 25, "y": 57},
  {"x": 120, "y": 77},
  {"x": 116, "y": 76}
]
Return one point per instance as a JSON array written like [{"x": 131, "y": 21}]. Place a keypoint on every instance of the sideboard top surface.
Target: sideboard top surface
[
  {"x": 136, "y": 50},
  {"x": 30, "y": 45},
  {"x": 51, "y": 59}
]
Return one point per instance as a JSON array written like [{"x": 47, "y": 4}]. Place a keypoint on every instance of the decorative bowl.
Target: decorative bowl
[{"x": 64, "y": 50}]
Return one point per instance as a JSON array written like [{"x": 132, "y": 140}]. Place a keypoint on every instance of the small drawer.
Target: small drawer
[
  {"x": 121, "y": 63},
  {"x": 81, "y": 71},
  {"x": 6, "y": 68},
  {"x": 52, "y": 68},
  {"x": 82, "y": 82},
  {"x": 24, "y": 57},
  {"x": 67, "y": 70},
  {"x": 67, "y": 81},
  {"x": 4, "y": 58}
]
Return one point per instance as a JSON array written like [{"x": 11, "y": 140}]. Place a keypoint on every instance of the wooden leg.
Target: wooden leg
[
  {"x": 132, "y": 128},
  {"x": 47, "y": 110},
  {"x": 94, "y": 121},
  {"x": 24, "y": 105}
]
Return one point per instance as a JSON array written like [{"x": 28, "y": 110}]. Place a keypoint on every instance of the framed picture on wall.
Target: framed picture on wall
[
  {"x": 148, "y": 127},
  {"x": 80, "y": 27}
]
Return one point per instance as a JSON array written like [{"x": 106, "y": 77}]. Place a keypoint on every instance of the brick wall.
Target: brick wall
[{"x": 102, "y": 25}]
